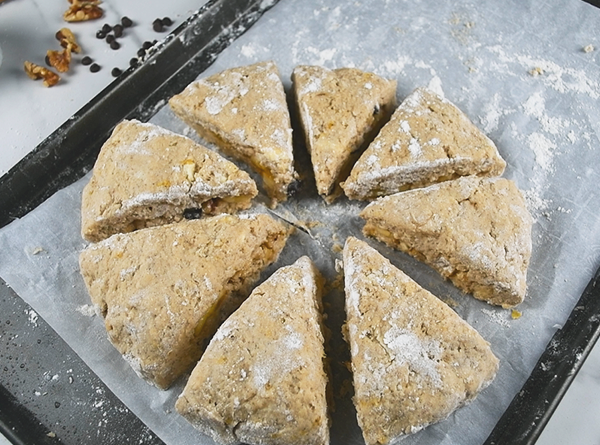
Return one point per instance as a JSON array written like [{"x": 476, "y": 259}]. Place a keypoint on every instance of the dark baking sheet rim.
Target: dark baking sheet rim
[{"x": 69, "y": 153}]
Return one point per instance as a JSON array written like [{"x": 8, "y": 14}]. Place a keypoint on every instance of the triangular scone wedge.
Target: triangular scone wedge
[
  {"x": 414, "y": 360},
  {"x": 427, "y": 140},
  {"x": 262, "y": 378},
  {"x": 244, "y": 112},
  {"x": 340, "y": 111},
  {"x": 146, "y": 176},
  {"x": 164, "y": 290},
  {"x": 474, "y": 231}
]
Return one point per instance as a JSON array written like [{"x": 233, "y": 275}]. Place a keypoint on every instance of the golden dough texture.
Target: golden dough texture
[
  {"x": 414, "y": 360},
  {"x": 147, "y": 176},
  {"x": 163, "y": 291},
  {"x": 427, "y": 140},
  {"x": 340, "y": 111},
  {"x": 244, "y": 112},
  {"x": 474, "y": 231},
  {"x": 262, "y": 378}
]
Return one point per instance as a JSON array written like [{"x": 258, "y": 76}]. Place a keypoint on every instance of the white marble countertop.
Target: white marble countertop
[{"x": 31, "y": 112}]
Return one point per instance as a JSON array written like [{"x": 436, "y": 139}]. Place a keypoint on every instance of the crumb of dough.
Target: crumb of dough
[{"x": 537, "y": 71}]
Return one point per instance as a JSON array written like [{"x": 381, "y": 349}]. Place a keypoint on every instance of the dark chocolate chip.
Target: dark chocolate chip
[
  {"x": 106, "y": 28},
  {"x": 126, "y": 22},
  {"x": 115, "y": 45},
  {"x": 118, "y": 30},
  {"x": 167, "y": 21},
  {"x": 116, "y": 72},
  {"x": 133, "y": 62},
  {"x": 157, "y": 25},
  {"x": 110, "y": 38},
  {"x": 100, "y": 34},
  {"x": 294, "y": 188},
  {"x": 87, "y": 60},
  {"x": 192, "y": 213},
  {"x": 147, "y": 45},
  {"x": 94, "y": 67},
  {"x": 141, "y": 52}
]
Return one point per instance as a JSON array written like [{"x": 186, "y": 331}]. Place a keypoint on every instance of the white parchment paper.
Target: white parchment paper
[{"x": 518, "y": 69}]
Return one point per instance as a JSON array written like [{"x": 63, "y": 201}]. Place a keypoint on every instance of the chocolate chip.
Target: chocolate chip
[
  {"x": 110, "y": 38},
  {"x": 126, "y": 22},
  {"x": 106, "y": 28},
  {"x": 100, "y": 34},
  {"x": 118, "y": 30},
  {"x": 116, "y": 72},
  {"x": 147, "y": 45},
  {"x": 94, "y": 67},
  {"x": 133, "y": 62},
  {"x": 166, "y": 21},
  {"x": 87, "y": 60},
  {"x": 115, "y": 45},
  {"x": 157, "y": 25},
  {"x": 192, "y": 213},
  {"x": 141, "y": 52},
  {"x": 294, "y": 188}
]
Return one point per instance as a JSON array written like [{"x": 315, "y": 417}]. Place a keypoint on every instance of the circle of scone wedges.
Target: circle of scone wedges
[{"x": 174, "y": 256}]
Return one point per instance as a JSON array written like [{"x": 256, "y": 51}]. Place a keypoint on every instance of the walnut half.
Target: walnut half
[
  {"x": 36, "y": 72},
  {"x": 67, "y": 40},
  {"x": 59, "y": 59},
  {"x": 81, "y": 11}
]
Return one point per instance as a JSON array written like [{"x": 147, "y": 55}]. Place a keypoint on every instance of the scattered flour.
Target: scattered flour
[
  {"x": 320, "y": 57},
  {"x": 32, "y": 316},
  {"x": 493, "y": 113},
  {"x": 543, "y": 149},
  {"x": 535, "y": 203},
  {"x": 87, "y": 309},
  {"x": 497, "y": 317},
  {"x": 248, "y": 51},
  {"x": 553, "y": 75},
  {"x": 435, "y": 85}
]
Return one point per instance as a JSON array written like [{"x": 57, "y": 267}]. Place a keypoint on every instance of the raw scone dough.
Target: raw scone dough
[
  {"x": 262, "y": 379},
  {"x": 414, "y": 359},
  {"x": 244, "y": 112},
  {"x": 146, "y": 176},
  {"x": 340, "y": 111},
  {"x": 164, "y": 290},
  {"x": 427, "y": 140},
  {"x": 474, "y": 231}
]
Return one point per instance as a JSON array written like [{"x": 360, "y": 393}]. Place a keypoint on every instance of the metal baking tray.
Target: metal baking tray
[{"x": 69, "y": 153}]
